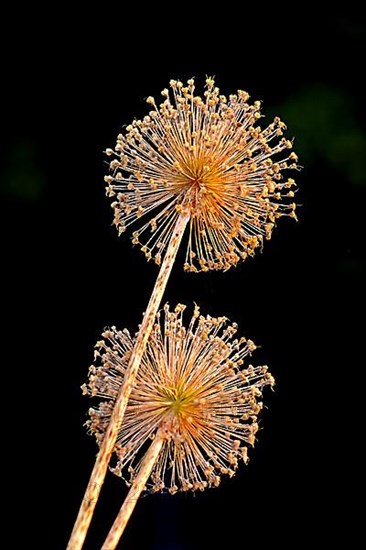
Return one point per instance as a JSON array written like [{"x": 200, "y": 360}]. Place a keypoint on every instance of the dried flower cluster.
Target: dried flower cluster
[
  {"x": 207, "y": 158},
  {"x": 192, "y": 384}
]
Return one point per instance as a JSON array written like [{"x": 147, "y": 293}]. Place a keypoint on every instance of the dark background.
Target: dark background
[{"x": 70, "y": 84}]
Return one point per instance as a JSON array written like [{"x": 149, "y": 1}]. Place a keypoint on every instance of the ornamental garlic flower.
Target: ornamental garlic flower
[
  {"x": 192, "y": 385},
  {"x": 206, "y": 158}
]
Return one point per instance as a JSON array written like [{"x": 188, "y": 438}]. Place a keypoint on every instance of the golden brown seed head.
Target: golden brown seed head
[
  {"x": 192, "y": 385},
  {"x": 208, "y": 158}
]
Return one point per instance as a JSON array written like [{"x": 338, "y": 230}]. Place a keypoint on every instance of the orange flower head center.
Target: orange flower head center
[
  {"x": 180, "y": 404},
  {"x": 201, "y": 179}
]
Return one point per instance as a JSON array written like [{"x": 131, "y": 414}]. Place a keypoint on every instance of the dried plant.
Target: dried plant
[
  {"x": 208, "y": 158},
  {"x": 202, "y": 162},
  {"x": 193, "y": 392}
]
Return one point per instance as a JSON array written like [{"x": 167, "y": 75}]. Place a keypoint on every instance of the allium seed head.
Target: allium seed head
[
  {"x": 208, "y": 158},
  {"x": 192, "y": 386}
]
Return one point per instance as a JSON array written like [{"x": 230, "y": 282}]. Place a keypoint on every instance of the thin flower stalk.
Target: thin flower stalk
[
  {"x": 97, "y": 476},
  {"x": 134, "y": 493}
]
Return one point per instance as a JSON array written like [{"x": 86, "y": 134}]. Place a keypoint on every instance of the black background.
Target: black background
[{"x": 70, "y": 84}]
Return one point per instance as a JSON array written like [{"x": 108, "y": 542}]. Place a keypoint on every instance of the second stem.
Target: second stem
[{"x": 137, "y": 487}]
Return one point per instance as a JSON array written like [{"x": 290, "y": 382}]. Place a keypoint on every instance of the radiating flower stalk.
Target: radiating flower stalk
[
  {"x": 203, "y": 162},
  {"x": 195, "y": 395}
]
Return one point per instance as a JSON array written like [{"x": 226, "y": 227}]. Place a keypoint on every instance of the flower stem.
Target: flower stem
[
  {"x": 138, "y": 485},
  {"x": 101, "y": 464}
]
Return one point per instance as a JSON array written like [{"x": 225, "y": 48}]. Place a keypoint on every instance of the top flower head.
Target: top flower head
[{"x": 207, "y": 159}]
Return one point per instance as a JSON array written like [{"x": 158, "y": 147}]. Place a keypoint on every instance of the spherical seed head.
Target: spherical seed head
[
  {"x": 206, "y": 157},
  {"x": 191, "y": 386}
]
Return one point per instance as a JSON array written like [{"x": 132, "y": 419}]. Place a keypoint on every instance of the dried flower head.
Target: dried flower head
[
  {"x": 206, "y": 157},
  {"x": 191, "y": 385}
]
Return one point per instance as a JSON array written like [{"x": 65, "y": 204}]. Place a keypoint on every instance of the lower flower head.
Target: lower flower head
[{"x": 193, "y": 386}]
